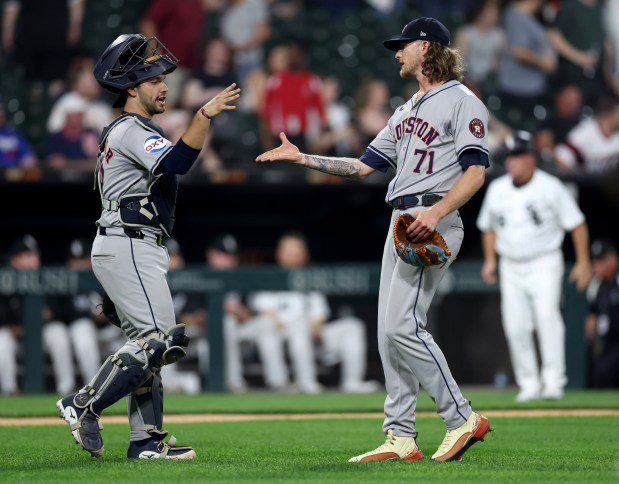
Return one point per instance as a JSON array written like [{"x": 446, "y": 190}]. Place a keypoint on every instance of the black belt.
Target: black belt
[
  {"x": 136, "y": 234},
  {"x": 407, "y": 201}
]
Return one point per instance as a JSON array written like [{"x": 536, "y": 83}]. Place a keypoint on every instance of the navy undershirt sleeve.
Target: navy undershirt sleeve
[
  {"x": 178, "y": 160},
  {"x": 473, "y": 157},
  {"x": 375, "y": 159}
]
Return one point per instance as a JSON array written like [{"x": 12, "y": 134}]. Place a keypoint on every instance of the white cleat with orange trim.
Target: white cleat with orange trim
[
  {"x": 394, "y": 448},
  {"x": 458, "y": 441}
]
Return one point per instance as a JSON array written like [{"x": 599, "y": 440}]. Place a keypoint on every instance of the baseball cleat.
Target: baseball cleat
[
  {"x": 394, "y": 448},
  {"x": 458, "y": 441},
  {"x": 84, "y": 424},
  {"x": 152, "y": 448},
  {"x": 527, "y": 396},
  {"x": 552, "y": 394}
]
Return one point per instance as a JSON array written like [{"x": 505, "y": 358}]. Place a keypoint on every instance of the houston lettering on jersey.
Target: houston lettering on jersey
[{"x": 416, "y": 126}]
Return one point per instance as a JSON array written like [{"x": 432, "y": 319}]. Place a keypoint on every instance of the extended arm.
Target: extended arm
[
  {"x": 344, "y": 167},
  {"x": 180, "y": 158},
  {"x": 586, "y": 60},
  {"x": 581, "y": 272},
  {"x": 488, "y": 245}
]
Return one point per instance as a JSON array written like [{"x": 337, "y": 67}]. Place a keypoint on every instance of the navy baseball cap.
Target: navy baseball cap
[
  {"x": 518, "y": 143},
  {"x": 600, "y": 248},
  {"x": 79, "y": 249},
  {"x": 424, "y": 28},
  {"x": 225, "y": 243}
]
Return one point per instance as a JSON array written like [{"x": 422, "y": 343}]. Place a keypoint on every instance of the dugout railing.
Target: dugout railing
[{"x": 334, "y": 280}]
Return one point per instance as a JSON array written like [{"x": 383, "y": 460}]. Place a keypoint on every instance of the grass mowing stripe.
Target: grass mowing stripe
[
  {"x": 520, "y": 450},
  {"x": 44, "y": 405}
]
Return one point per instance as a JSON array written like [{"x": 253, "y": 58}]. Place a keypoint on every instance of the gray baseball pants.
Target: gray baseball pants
[
  {"x": 410, "y": 356},
  {"x": 133, "y": 273}
]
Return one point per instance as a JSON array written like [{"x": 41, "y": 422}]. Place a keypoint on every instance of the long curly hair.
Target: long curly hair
[{"x": 442, "y": 63}]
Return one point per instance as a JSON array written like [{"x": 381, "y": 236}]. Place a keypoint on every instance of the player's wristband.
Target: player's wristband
[{"x": 203, "y": 113}]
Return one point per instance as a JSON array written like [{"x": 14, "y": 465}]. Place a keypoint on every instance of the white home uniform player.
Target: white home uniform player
[
  {"x": 523, "y": 219},
  {"x": 437, "y": 144},
  {"x": 300, "y": 319}
]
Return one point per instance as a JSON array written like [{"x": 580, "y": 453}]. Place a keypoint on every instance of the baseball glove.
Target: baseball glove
[{"x": 430, "y": 252}]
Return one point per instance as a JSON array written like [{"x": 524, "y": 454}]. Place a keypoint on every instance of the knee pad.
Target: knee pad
[
  {"x": 164, "y": 348},
  {"x": 118, "y": 376}
]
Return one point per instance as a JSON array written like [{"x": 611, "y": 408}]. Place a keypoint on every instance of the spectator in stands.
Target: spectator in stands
[
  {"x": 602, "y": 325},
  {"x": 278, "y": 60},
  {"x": 241, "y": 327},
  {"x": 14, "y": 148},
  {"x": 338, "y": 136},
  {"x": 371, "y": 109},
  {"x": 527, "y": 60},
  {"x": 70, "y": 329},
  {"x": 215, "y": 75},
  {"x": 84, "y": 89},
  {"x": 293, "y": 101},
  {"x": 73, "y": 147},
  {"x": 593, "y": 145},
  {"x": 178, "y": 24},
  {"x": 301, "y": 319},
  {"x": 578, "y": 36},
  {"x": 189, "y": 309},
  {"x": 44, "y": 58},
  {"x": 245, "y": 26},
  {"x": 553, "y": 131},
  {"x": 481, "y": 42}
]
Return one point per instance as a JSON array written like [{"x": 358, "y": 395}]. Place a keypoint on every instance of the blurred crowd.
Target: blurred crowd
[
  {"x": 290, "y": 337},
  {"x": 551, "y": 67}
]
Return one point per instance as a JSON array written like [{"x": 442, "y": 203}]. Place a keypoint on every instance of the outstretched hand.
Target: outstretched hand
[
  {"x": 222, "y": 102},
  {"x": 286, "y": 152}
]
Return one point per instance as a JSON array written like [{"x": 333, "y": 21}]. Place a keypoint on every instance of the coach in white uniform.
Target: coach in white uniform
[{"x": 523, "y": 218}]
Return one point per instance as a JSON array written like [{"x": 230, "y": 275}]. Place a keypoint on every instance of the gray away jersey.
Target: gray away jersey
[
  {"x": 132, "y": 151},
  {"x": 423, "y": 141}
]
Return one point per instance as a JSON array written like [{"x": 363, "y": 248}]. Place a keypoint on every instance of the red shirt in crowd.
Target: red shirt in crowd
[
  {"x": 179, "y": 26},
  {"x": 290, "y": 101}
]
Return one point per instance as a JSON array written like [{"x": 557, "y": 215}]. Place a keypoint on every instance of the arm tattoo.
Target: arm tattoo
[{"x": 344, "y": 167}]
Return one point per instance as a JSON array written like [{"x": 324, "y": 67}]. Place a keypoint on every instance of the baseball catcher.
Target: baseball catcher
[{"x": 136, "y": 175}]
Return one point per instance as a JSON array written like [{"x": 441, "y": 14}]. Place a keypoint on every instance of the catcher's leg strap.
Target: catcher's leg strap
[
  {"x": 145, "y": 407},
  {"x": 164, "y": 348}
]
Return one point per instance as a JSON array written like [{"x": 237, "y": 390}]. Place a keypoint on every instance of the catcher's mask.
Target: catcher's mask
[{"x": 130, "y": 60}]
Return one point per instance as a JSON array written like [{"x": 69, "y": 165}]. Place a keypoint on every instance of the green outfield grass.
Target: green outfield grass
[
  {"x": 557, "y": 449},
  {"x": 44, "y": 405}
]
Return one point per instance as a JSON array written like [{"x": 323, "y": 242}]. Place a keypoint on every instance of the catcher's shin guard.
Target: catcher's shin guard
[
  {"x": 119, "y": 375},
  {"x": 125, "y": 372},
  {"x": 145, "y": 408}
]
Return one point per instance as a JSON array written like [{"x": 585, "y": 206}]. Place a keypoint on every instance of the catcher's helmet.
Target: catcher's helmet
[{"x": 130, "y": 60}]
